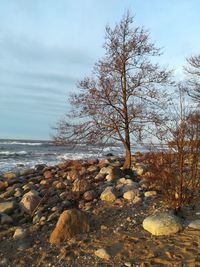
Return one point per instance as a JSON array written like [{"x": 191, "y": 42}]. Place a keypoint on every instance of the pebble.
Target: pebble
[
  {"x": 150, "y": 193},
  {"x": 102, "y": 253},
  {"x": 19, "y": 233},
  {"x": 128, "y": 264},
  {"x": 194, "y": 224}
]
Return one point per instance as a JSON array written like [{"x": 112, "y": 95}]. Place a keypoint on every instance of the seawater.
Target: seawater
[
  {"x": 16, "y": 154},
  {"x": 26, "y": 153}
]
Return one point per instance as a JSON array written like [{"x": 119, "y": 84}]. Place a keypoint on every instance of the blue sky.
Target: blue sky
[{"x": 47, "y": 46}]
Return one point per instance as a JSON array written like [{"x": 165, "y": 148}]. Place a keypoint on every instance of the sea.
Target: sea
[{"x": 18, "y": 154}]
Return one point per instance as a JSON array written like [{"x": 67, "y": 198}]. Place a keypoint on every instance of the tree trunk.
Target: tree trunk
[{"x": 127, "y": 163}]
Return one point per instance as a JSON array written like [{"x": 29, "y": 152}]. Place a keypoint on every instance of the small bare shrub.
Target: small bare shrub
[{"x": 175, "y": 170}]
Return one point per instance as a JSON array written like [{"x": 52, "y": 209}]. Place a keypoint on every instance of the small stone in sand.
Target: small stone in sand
[{"x": 102, "y": 253}]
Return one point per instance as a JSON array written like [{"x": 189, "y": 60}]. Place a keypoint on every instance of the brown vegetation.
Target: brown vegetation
[{"x": 175, "y": 171}]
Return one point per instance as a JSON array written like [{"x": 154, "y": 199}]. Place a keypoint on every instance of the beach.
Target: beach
[{"x": 115, "y": 204}]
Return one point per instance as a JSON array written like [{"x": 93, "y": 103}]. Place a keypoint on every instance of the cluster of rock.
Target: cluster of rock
[
  {"x": 65, "y": 191},
  {"x": 43, "y": 193}
]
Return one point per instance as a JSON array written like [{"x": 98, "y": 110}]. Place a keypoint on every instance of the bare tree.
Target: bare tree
[
  {"x": 193, "y": 82},
  {"x": 124, "y": 94}
]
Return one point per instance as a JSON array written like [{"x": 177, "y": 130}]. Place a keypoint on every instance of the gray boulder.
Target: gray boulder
[{"x": 163, "y": 223}]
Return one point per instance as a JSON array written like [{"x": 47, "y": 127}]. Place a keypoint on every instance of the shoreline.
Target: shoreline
[{"x": 101, "y": 190}]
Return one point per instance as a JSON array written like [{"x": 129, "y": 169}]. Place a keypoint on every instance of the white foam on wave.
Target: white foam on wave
[
  {"x": 9, "y": 153},
  {"x": 20, "y": 143},
  {"x": 76, "y": 156}
]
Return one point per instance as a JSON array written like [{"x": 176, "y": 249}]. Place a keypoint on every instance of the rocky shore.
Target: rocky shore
[{"x": 92, "y": 213}]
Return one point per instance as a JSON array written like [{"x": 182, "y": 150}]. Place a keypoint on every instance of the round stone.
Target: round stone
[{"x": 163, "y": 223}]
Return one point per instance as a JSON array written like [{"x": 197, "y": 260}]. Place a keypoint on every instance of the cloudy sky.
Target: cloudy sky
[{"x": 47, "y": 46}]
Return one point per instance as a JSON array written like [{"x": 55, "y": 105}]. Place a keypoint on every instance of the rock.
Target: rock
[
  {"x": 104, "y": 163},
  {"x": 80, "y": 186},
  {"x": 6, "y": 219},
  {"x": 139, "y": 168},
  {"x": 108, "y": 194},
  {"x": 113, "y": 173},
  {"x": 9, "y": 193},
  {"x": 102, "y": 253},
  {"x": 18, "y": 192},
  {"x": 109, "y": 177},
  {"x": 47, "y": 174},
  {"x": 143, "y": 183},
  {"x": 30, "y": 201},
  {"x": 129, "y": 195},
  {"x": 100, "y": 176},
  {"x": 93, "y": 161},
  {"x": 27, "y": 172},
  {"x": 3, "y": 185},
  {"x": 60, "y": 185},
  {"x": 103, "y": 227},
  {"x": 127, "y": 185},
  {"x": 7, "y": 206},
  {"x": 20, "y": 233},
  {"x": 163, "y": 223},
  {"x": 137, "y": 200},
  {"x": 40, "y": 167},
  {"x": 106, "y": 170},
  {"x": 36, "y": 218},
  {"x": 109, "y": 155},
  {"x": 73, "y": 175},
  {"x": 126, "y": 181},
  {"x": 9, "y": 175},
  {"x": 4, "y": 262},
  {"x": 150, "y": 193},
  {"x": 53, "y": 216},
  {"x": 92, "y": 169},
  {"x": 195, "y": 224},
  {"x": 44, "y": 182},
  {"x": 89, "y": 195},
  {"x": 70, "y": 223},
  {"x": 127, "y": 188}
]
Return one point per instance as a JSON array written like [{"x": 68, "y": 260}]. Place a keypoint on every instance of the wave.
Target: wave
[
  {"x": 9, "y": 153},
  {"x": 77, "y": 156},
  {"x": 20, "y": 143}
]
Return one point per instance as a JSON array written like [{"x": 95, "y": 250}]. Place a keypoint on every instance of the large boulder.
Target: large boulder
[
  {"x": 163, "y": 223},
  {"x": 70, "y": 223},
  {"x": 108, "y": 194},
  {"x": 30, "y": 201}
]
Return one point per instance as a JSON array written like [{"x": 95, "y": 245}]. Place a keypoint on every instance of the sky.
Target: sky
[{"x": 48, "y": 46}]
